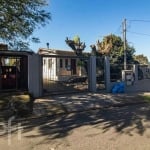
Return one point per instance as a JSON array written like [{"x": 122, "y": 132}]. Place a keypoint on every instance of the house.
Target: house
[
  {"x": 144, "y": 70},
  {"x": 60, "y": 65},
  {"x": 13, "y": 69}
]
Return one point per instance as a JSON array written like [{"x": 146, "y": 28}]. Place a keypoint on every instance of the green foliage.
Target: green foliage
[
  {"x": 105, "y": 46},
  {"x": 80, "y": 63},
  {"x": 75, "y": 44},
  {"x": 117, "y": 52},
  {"x": 146, "y": 98},
  {"x": 76, "y": 39},
  {"x": 78, "y": 48},
  {"x": 141, "y": 59},
  {"x": 112, "y": 45},
  {"x": 19, "y": 18}
]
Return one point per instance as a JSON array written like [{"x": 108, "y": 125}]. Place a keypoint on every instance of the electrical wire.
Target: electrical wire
[
  {"x": 138, "y": 33},
  {"x": 140, "y": 21}
]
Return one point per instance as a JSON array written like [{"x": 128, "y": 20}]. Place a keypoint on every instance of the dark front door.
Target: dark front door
[
  {"x": 14, "y": 72},
  {"x": 73, "y": 66},
  {"x": 9, "y": 77}
]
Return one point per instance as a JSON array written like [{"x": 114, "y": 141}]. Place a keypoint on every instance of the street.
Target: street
[{"x": 114, "y": 128}]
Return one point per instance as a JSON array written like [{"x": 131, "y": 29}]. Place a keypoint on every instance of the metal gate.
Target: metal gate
[
  {"x": 100, "y": 73},
  {"x": 64, "y": 74},
  {"x": 116, "y": 71}
]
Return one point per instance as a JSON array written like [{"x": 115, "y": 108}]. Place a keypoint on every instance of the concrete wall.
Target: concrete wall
[
  {"x": 107, "y": 74},
  {"x": 35, "y": 75},
  {"x": 92, "y": 74}
]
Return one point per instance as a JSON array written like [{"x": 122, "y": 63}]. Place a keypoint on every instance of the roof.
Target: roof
[
  {"x": 45, "y": 51},
  {"x": 14, "y": 53}
]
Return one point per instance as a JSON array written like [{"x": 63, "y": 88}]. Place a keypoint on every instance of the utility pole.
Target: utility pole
[{"x": 124, "y": 45}]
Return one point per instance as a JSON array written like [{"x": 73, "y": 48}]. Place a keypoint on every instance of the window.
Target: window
[
  {"x": 66, "y": 63},
  {"x": 44, "y": 61},
  {"x": 49, "y": 63},
  {"x": 61, "y": 63}
]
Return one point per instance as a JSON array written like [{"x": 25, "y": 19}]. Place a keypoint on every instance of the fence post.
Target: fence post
[
  {"x": 92, "y": 74},
  {"x": 35, "y": 75},
  {"x": 107, "y": 74}
]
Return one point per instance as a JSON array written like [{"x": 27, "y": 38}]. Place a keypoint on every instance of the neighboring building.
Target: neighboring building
[
  {"x": 145, "y": 69},
  {"x": 14, "y": 70},
  {"x": 60, "y": 65}
]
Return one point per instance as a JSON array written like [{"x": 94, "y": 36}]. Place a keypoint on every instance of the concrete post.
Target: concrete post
[
  {"x": 135, "y": 71},
  {"x": 35, "y": 75},
  {"x": 92, "y": 74},
  {"x": 107, "y": 74}
]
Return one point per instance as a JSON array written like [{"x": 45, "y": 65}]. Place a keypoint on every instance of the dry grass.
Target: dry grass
[
  {"x": 21, "y": 98},
  {"x": 7, "y": 97}
]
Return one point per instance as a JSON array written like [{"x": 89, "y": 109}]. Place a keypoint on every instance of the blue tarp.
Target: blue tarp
[{"x": 118, "y": 88}]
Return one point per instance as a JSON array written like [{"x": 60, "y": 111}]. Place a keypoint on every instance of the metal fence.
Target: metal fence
[
  {"x": 64, "y": 73},
  {"x": 116, "y": 71}
]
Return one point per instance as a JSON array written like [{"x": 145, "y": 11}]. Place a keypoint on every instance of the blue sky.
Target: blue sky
[{"x": 94, "y": 19}]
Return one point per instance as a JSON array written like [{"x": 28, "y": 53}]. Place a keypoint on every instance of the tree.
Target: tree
[
  {"x": 112, "y": 46},
  {"x": 76, "y": 45},
  {"x": 141, "y": 59},
  {"x": 19, "y": 18}
]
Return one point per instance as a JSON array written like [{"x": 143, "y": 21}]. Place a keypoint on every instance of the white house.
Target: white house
[{"x": 60, "y": 65}]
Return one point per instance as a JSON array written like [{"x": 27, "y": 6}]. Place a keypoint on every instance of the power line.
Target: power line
[
  {"x": 140, "y": 21},
  {"x": 144, "y": 34}
]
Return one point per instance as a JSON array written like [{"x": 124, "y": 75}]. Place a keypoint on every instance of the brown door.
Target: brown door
[{"x": 73, "y": 66}]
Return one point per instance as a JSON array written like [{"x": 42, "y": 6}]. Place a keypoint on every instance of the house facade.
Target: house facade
[
  {"x": 14, "y": 70},
  {"x": 60, "y": 65}
]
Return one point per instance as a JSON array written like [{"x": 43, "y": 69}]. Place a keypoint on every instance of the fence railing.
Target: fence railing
[
  {"x": 116, "y": 71},
  {"x": 64, "y": 73}
]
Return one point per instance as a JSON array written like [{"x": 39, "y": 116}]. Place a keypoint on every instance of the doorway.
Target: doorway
[{"x": 73, "y": 67}]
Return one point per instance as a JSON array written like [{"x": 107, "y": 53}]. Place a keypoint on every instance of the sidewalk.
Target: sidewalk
[
  {"x": 78, "y": 102},
  {"x": 139, "y": 86},
  {"x": 70, "y": 103}
]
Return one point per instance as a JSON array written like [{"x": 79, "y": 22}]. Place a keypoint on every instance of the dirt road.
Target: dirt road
[{"x": 119, "y": 128}]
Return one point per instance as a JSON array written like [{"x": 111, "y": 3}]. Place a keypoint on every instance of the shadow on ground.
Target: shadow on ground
[{"x": 125, "y": 120}]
